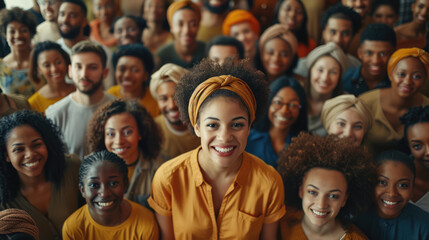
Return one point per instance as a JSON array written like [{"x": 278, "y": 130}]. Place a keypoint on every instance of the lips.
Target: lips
[
  {"x": 224, "y": 151},
  {"x": 104, "y": 204},
  {"x": 32, "y": 164},
  {"x": 320, "y": 214},
  {"x": 119, "y": 151},
  {"x": 173, "y": 114}
]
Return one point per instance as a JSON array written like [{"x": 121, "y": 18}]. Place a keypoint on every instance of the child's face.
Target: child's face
[
  {"x": 103, "y": 189},
  {"x": 418, "y": 140},
  {"x": 393, "y": 189}
]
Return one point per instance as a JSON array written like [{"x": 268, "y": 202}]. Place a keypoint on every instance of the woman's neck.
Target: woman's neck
[
  {"x": 417, "y": 28},
  {"x": 278, "y": 134},
  {"x": 185, "y": 52},
  {"x": 212, "y": 171},
  {"x": 402, "y": 103},
  {"x": 32, "y": 182},
  {"x": 327, "y": 229},
  {"x": 138, "y": 93},
  {"x": 154, "y": 28}
]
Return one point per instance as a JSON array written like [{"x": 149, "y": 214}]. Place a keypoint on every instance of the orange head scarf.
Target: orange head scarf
[
  {"x": 408, "y": 52},
  {"x": 240, "y": 16},
  {"x": 176, "y": 6},
  {"x": 228, "y": 82}
]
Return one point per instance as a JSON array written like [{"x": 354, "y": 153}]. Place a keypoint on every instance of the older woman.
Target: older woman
[
  {"x": 36, "y": 176},
  {"x": 328, "y": 181},
  {"x": 408, "y": 70},
  {"x": 346, "y": 116},
  {"x": 133, "y": 65},
  {"x": 19, "y": 27},
  {"x": 243, "y": 26},
  {"x": 277, "y": 50},
  {"x": 219, "y": 177},
  {"x": 325, "y": 66},
  {"x": 49, "y": 63},
  {"x": 286, "y": 118},
  {"x": 184, "y": 18}
]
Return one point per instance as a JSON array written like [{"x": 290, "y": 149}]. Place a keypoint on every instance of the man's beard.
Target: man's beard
[
  {"x": 72, "y": 34},
  {"x": 220, "y": 9},
  {"x": 94, "y": 88}
]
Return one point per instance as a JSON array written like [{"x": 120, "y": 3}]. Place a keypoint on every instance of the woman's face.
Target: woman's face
[
  {"x": 103, "y": 189},
  {"x": 291, "y": 14},
  {"x": 121, "y": 136},
  {"x": 18, "y": 36},
  {"x": 325, "y": 75},
  {"x": 223, "y": 128},
  {"x": 420, "y": 10},
  {"x": 393, "y": 189},
  {"x": 184, "y": 27},
  {"x": 323, "y": 193},
  {"x": 126, "y": 31},
  {"x": 407, "y": 77},
  {"x": 418, "y": 140},
  {"x": 284, "y": 109},
  {"x": 276, "y": 57},
  {"x": 348, "y": 124},
  {"x": 104, "y": 10},
  {"x": 385, "y": 14},
  {"x": 51, "y": 65},
  {"x": 243, "y": 32},
  {"x": 130, "y": 73},
  {"x": 154, "y": 10},
  {"x": 26, "y": 151}
]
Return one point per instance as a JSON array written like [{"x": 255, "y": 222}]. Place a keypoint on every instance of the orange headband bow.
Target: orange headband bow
[
  {"x": 228, "y": 82},
  {"x": 408, "y": 52}
]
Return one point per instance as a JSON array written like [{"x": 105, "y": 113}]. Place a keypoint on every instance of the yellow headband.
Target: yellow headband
[
  {"x": 408, "y": 52},
  {"x": 228, "y": 82}
]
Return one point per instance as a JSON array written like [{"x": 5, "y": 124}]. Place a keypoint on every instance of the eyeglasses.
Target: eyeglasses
[
  {"x": 47, "y": 2},
  {"x": 292, "y": 106}
]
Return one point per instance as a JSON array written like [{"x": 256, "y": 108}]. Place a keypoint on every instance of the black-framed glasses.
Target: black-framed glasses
[{"x": 293, "y": 106}]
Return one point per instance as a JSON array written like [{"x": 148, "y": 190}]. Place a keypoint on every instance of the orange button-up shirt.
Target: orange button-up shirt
[{"x": 255, "y": 197}]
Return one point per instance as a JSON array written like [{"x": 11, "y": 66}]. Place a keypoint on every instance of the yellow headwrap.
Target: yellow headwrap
[
  {"x": 228, "y": 82},
  {"x": 177, "y": 5},
  {"x": 408, "y": 52}
]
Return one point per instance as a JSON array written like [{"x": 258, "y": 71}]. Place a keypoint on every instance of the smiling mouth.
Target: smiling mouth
[
  {"x": 104, "y": 204},
  {"x": 224, "y": 150},
  {"x": 119, "y": 151},
  {"x": 321, "y": 214},
  {"x": 32, "y": 164},
  {"x": 389, "y": 203}
]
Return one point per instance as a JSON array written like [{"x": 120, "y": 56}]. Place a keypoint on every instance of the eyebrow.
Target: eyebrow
[
  {"x": 110, "y": 177},
  {"x": 217, "y": 119},
  {"x": 333, "y": 190},
  {"x": 342, "y": 119},
  {"x": 34, "y": 140},
  {"x": 129, "y": 126}
]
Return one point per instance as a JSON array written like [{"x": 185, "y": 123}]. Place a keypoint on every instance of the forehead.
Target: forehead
[
  {"x": 21, "y": 132},
  {"x": 411, "y": 64},
  {"x": 166, "y": 86},
  {"x": 70, "y": 8},
  {"x": 101, "y": 169},
  {"x": 86, "y": 58},
  {"x": 376, "y": 45},
  {"x": 120, "y": 120},
  {"x": 418, "y": 131},
  {"x": 130, "y": 61},
  {"x": 286, "y": 93},
  {"x": 184, "y": 14},
  {"x": 223, "y": 50},
  {"x": 394, "y": 170},
  {"x": 125, "y": 22},
  {"x": 339, "y": 23},
  {"x": 325, "y": 179}
]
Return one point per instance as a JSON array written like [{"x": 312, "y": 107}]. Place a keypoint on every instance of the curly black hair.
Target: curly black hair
[
  {"x": 55, "y": 165},
  {"x": 378, "y": 32},
  {"x": 150, "y": 142},
  {"x": 207, "y": 69},
  {"x": 135, "y": 50},
  {"x": 355, "y": 162},
  {"x": 415, "y": 115},
  {"x": 100, "y": 156},
  {"x": 342, "y": 12},
  {"x": 17, "y": 14}
]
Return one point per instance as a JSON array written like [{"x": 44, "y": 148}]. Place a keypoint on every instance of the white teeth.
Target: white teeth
[
  {"x": 104, "y": 204},
  {"x": 223, "y": 150},
  {"x": 389, "y": 203},
  {"x": 31, "y": 164},
  {"x": 281, "y": 118},
  {"x": 118, "y": 150},
  {"x": 319, "y": 213}
]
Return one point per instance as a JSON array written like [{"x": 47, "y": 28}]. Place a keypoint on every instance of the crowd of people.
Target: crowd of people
[{"x": 223, "y": 119}]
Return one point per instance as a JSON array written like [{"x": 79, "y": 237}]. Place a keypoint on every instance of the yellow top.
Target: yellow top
[
  {"x": 140, "y": 224},
  {"x": 255, "y": 197},
  {"x": 40, "y": 103},
  {"x": 147, "y": 101}
]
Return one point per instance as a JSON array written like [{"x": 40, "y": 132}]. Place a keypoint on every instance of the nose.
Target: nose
[
  {"x": 322, "y": 203},
  {"x": 391, "y": 190},
  {"x": 170, "y": 103},
  {"x": 337, "y": 38},
  {"x": 347, "y": 131},
  {"x": 224, "y": 134},
  {"x": 118, "y": 139},
  {"x": 376, "y": 58},
  {"x": 427, "y": 150},
  {"x": 104, "y": 190},
  {"x": 28, "y": 154}
]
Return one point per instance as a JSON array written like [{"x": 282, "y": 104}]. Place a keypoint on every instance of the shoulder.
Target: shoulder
[
  {"x": 355, "y": 233},
  {"x": 165, "y": 49},
  {"x": 263, "y": 172},
  {"x": 176, "y": 166},
  {"x": 257, "y": 136},
  {"x": 370, "y": 97},
  {"x": 75, "y": 222},
  {"x": 425, "y": 100},
  {"x": 59, "y": 106},
  {"x": 20, "y": 101},
  {"x": 417, "y": 213}
]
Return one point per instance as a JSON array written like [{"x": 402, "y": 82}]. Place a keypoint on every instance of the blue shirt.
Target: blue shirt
[
  {"x": 259, "y": 144},
  {"x": 354, "y": 83},
  {"x": 413, "y": 223}
]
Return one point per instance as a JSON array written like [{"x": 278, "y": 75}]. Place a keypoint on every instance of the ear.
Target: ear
[
  {"x": 359, "y": 52},
  {"x": 197, "y": 130},
  {"x": 70, "y": 71},
  {"x": 300, "y": 192},
  {"x": 82, "y": 190}
]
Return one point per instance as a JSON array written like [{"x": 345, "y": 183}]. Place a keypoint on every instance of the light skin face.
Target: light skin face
[
  {"x": 167, "y": 105},
  {"x": 418, "y": 140},
  {"x": 87, "y": 72},
  {"x": 51, "y": 65},
  {"x": 220, "y": 53},
  {"x": 126, "y": 31},
  {"x": 291, "y": 14},
  {"x": 154, "y": 10},
  {"x": 339, "y": 31},
  {"x": 71, "y": 18},
  {"x": 284, "y": 109},
  {"x": 223, "y": 128},
  {"x": 374, "y": 56},
  {"x": 386, "y": 15},
  {"x": 407, "y": 77},
  {"x": 121, "y": 136},
  {"x": 325, "y": 75},
  {"x": 130, "y": 73},
  {"x": 18, "y": 36},
  {"x": 244, "y": 33},
  {"x": 26, "y": 151},
  {"x": 103, "y": 189},
  {"x": 323, "y": 193},
  {"x": 393, "y": 189},
  {"x": 348, "y": 124},
  {"x": 276, "y": 57},
  {"x": 420, "y": 10},
  {"x": 184, "y": 27},
  {"x": 104, "y": 10},
  {"x": 49, "y": 11},
  {"x": 360, "y": 6}
]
